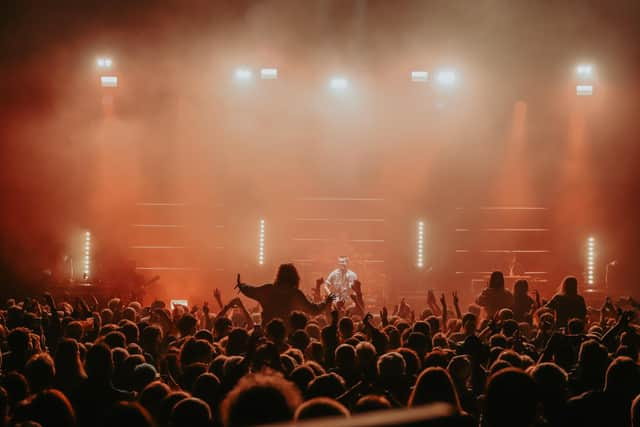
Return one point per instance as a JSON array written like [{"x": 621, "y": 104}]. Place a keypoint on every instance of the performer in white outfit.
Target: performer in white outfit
[{"x": 340, "y": 281}]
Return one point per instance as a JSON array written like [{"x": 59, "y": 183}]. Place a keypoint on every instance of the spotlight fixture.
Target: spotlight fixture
[
  {"x": 419, "y": 76},
  {"x": 109, "y": 81},
  {"x": 261, "y": 244},
  {"x": 585, "y": 71},
  {"x": 591, "y": 258},
  {"x": 243, "y": 75},
  {"x": 269, "y": 73},
  {"x": 87, "y": 256},
  {"x": 338, "y": 84},
  {"x": 584, "y": 90},
  {"x": 420, "y": 241},
  {"x": 446, "y": 78},
  {"x": 104, "y": 63}
]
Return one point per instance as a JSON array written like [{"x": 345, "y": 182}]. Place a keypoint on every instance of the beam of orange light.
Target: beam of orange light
[
  {"x": 513, "y": 182},
  {"x": 575, "y": 184}
]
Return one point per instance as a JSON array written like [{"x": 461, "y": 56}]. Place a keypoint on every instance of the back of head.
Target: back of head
[
  {"x": 301, "y": 377},
  {"x": 191, "y": 412},
  {"x": 40, "y": 372},
  {"x": 635, "y": 412},
  {"x": 496, "y": 280},
  {"x": 99, "y": 363},
  {"x": 459, "y": 368},
  {"x": 276, "y": 330},
  {"x": 371, "y": 403},
  {"x": 320, "y": 407},
  {"x": 128, "y": 414},
  {"x": 326, "y": 385},
  {"x": 391, "y": 366},
  {"x": 570, "y": 286},
  {"x": 423, "y": 327},
  {"x": 575, "y": 326},
  {"x": 434, "y": 385},
  {"x": 152, "y": 395},
  {"x": 260, "y": 399},
  {"x": 50, "y": 408},
  {"x": 4, "y": 406},
  {"x": 418, "y": 342},
  {"x": 144, "y": 374},
  {"x": 299, "y": 340},
  {"x": 345, "y": 326},
  {"x": 287, "y": 276},
  {"x": 511, "y": 399},
  {"x": 366, "y": 353},
  {"x": 298, "y": 320},
  {"x": 345, "y": 356},
  {"x": 551, "y": 379},
  {"x": 412, "y": 361},
  {"x": 16, "y": 387},
  {"x": 67, "y": 356},
  {"x": 187, "y": 325},
  {"x": 623, "y": 378},
  {"x": 208, "y": 388},
  {"x": 167, "y": 404},
  {"x": 115, "y": 339},
  {"x": 18, "y": 340},
  {"x": 520, "y": 288}
]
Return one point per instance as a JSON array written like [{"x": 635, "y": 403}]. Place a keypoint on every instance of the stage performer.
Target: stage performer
[{"x": 340, "y": 282}]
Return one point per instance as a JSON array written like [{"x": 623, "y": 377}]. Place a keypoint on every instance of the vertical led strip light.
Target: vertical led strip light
[
  {"x": 420, "y": 257},
  {"x": 591, "y": 257},
  {"x": 261, "y": 244},
  {"x": 87, "y": 255}
]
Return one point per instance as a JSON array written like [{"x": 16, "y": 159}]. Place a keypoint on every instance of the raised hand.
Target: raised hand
[
  {"x": 443, "y": 301},
  {"x": 335, "y": 314},
  {"x": 216, "y": 294},
  {"x": 384, "y": 313},
  {"x": 357, "y": 286},
  {"x": 319, "y": 282},
  {"x": 367, "y": 318},
  {"x": 205, "y": 308},
  {"x": 431, "y": 298},
  {"x": 456, "y": 301}
]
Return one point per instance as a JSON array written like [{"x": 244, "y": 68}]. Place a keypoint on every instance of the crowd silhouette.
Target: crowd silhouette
[{"x": 511, "y": 359}]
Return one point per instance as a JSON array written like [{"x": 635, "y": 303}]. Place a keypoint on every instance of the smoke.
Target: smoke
[{"x": 180, "y": 130}]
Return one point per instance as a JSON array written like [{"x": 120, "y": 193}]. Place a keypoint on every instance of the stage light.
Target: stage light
[
  {"x": 584, "y": 71},
  {"x": 261, "y": 244},
  {"x": 104, "y": 63},
  {"x": 591, "y": 259},
  {"x": 446, "y": 78},
  {"x": 420, "y": 241},
  {"x": 584, "y": 90},
  {"x": 243, "y": 75},
  {"x": 269, "y": 73},
  {"x": 338, "y": 84},
  {"x": 87, "y": 255},
  {"x": 109, "y": 81},
  {"x": 419, "y": 76}
]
